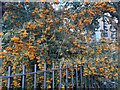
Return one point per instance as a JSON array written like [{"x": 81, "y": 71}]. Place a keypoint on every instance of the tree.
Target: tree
[{"x": 48, "y": 36}]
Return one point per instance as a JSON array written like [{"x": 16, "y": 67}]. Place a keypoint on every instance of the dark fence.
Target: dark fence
[{"x": 77, "y": 80}]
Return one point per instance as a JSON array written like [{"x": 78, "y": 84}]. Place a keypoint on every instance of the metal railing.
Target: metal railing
[{"x": 77, "y": 81}]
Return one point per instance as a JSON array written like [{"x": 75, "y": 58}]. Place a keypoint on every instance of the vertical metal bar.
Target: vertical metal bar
[
  {"x": 72, "y": 78},
  {"x": 89, "y": 82},
  {"x": 66, "y": 75},
  {"x": 92, "y": 81},
  {"x": 23, "y": 78},
  {"x": 99, "y": 85},
  {"x": 85, "y": 82},
  {"x": 35, "y": 76},
  {"x": 44, "y": 76},
  {"x": 76, "y": 77},
  {"x": 81, "y": 77},
  {"x": 60, "y": 76},
  {"x": 53, "y": 76},
  {"x": 9, "y": 78}
]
